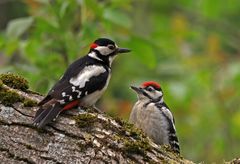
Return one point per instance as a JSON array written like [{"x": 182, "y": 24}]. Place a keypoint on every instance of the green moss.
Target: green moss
[
  {"x": 8, "y": 98},
  {"x": 136, "y": 146},
  {"x": 29, "y": 103},
  {"x": 14, "y": 81},
  {"x": 1, "y": 83},
  {"x": 85, "y": 120},
  {"x": 169, "y": 150},
  {"x": 135, "y": 142},
  {"x": 130, "y": 129}
]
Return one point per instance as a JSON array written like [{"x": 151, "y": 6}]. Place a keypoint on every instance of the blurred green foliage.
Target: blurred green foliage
[{"x": 190, "y": 47}]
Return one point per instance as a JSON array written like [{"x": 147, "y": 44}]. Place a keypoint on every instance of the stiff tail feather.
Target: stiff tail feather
[
  {"x": 174, "y": 143},
  {"x": 45, "y": 115}
]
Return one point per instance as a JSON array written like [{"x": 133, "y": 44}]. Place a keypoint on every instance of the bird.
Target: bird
[
  {"x": 152, "y": 115},
  {"x": 82, "y": 84}
]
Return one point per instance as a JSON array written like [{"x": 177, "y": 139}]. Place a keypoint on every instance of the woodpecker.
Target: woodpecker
[
  {"x": 151, "y": 114},
  {"x": 82, "y": 84}
]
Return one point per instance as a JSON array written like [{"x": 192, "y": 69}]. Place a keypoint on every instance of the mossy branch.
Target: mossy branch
[{"x": 77, "y": 136}]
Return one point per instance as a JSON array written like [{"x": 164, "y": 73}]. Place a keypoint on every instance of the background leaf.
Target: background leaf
[{"x": 18, "y": 26}]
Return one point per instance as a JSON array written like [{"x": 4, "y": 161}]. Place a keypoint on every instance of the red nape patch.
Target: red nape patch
[
  {"x": 151, "y": 83},
  {"x": 71, "y": 105},
  {"x": 93, "y": 45}
]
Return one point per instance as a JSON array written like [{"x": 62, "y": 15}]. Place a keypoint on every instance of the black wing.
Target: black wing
[
  {"x": 173, "y": 139},
  {"x": 72, "y": 92},
  {"x": 73, "y": 70},
  {"x": 66, "y": 92}
]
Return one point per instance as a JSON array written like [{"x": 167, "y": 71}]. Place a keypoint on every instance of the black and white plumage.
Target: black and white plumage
[
  {"x": 152, "y": 115},
  {"x": 82, "y": 84}
]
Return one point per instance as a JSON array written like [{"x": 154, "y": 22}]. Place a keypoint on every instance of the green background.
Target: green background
[{"x": 190, "y": 47}]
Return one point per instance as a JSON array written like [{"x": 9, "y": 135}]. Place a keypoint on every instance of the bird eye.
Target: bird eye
[
  {"x": 111, "y": 47},
  {"x": 150, "y": 89}
]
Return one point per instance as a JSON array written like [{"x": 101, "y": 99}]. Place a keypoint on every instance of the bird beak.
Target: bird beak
[
  {"x": 123, "y": 50},
  {"x": 136, "y": 89}
]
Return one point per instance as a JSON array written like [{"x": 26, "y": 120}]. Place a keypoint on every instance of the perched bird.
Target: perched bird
[
  {"x": 83, "y": 83},
  {"x": 151, "y": 114}
]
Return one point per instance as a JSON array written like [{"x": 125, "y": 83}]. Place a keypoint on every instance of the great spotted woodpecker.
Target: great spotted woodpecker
[
  {"x": 82, "y": 84},
  {"x": 151, "y": 114}
]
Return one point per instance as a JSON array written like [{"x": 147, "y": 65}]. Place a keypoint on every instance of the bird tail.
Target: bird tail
[
  {"x": 46, "y": 114},
  {"x": 174, "y": 143}
]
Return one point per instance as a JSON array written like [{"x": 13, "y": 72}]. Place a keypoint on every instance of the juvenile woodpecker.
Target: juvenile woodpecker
[
  {"x": 83, "y": 83},
  {"x": 151, "y": 114}
]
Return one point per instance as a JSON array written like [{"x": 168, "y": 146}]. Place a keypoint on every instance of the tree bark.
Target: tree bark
[{"x": 75, "y": 137}]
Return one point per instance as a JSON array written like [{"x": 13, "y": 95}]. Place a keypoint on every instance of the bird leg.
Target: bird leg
[{"x": 97, "y": 109}]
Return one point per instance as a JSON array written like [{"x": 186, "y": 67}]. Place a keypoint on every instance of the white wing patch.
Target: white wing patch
[{"x": 83, "y": 76}]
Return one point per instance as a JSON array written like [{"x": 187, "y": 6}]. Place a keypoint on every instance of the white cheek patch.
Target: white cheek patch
[
  {"x": 94, "y": 55},
  {"x": 84, "y": 76},
  {"x": 158, "y": 94},
  {"x": 104, "y": 50}
]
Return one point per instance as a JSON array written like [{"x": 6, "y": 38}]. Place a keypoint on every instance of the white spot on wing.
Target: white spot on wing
[
  {"x": 79, "y": 94},
  {"x": 73, "y": 89},
  {"x": 84, "y": 75},
  {"x": 62, "y": 101},
  {"x": 63, "y": 94}
]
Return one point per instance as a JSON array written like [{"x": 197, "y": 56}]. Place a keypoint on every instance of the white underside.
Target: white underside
[
  {"x": 151, "y": 121},
  {"x": 92, "y": 98}
]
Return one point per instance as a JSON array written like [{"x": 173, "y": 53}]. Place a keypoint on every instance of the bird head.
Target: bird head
[
  {"x": 105, "y": 49},
  {"x": 149, "y": 91}
]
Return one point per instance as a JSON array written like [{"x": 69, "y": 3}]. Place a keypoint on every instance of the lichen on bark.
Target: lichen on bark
[{"x": 77, "y": 136}]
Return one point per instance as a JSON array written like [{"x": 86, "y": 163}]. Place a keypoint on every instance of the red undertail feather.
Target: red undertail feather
[
  {"x": 71, "y": 105},
  {"x": 50, "y": 110}
]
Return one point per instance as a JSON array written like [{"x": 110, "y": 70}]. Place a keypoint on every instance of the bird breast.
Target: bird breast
[
  {"x": 92, "y": 98},
  {"x": 152, "y": 122}
]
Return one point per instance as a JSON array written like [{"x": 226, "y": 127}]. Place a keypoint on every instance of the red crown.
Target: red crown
[
  {"x": 93, "y": 45},
  {"x": 151, "y": 83}
]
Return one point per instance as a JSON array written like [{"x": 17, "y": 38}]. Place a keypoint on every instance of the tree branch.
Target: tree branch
[{"x": 75, "y": 137}]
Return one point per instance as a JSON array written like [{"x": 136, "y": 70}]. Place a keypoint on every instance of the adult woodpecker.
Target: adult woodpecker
[
  {"x": 83, "y": 83},
  {"x": 151, "y": 114}
]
